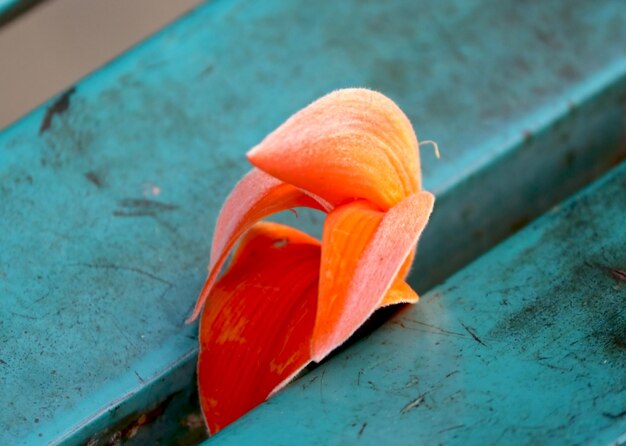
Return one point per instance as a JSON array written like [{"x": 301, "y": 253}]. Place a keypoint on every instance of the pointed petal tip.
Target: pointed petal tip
[
  {"x": 399, "y": 293},
  {"x": 197, "y": 307}
]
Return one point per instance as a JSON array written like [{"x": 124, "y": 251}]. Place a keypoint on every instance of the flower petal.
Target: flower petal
[
  {"x": 362, "y": 253},
  {"x": 256, "y": 196},
  {"x": 399, "y": 293},
  {"x": 352, "y": 143},
  {"x": 256, "y": 327}
]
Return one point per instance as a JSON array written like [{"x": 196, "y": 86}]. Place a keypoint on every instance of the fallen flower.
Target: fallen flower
[{"x": 286, "y": 299}]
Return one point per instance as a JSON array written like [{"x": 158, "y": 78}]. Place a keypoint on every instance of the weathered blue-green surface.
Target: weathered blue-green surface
[
  {"x": 527, "y": 345},
  {"x": 6, "y": 5},
  {"x": 108, "y": 193},
  {"x": 10, "y": 9}
]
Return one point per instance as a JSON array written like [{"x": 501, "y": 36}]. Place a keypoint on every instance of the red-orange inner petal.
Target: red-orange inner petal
[
  {"x": 256, "y": 327},
  {"x": 256, "y": 196}
]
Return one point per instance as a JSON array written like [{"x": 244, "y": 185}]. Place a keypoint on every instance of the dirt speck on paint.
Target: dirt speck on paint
[{"x": 58, "y": 107}]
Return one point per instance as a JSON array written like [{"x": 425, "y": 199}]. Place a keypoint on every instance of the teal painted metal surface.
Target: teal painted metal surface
[
  {"x": 109, "y": 192},
  {"x": 5, "y": 5},
  {"x": 527, "y": 345},
  {"x": 10, "y": 9}
]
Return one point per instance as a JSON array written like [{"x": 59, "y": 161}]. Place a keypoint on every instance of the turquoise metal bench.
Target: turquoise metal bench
[{"x": 108, "y": 195}]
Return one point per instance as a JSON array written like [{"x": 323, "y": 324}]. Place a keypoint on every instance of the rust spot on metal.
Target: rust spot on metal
[
  {"x": 58, "y": 107},
  {"x": 129, "y": 426}
]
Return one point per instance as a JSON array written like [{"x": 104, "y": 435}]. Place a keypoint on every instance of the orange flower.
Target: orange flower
[{"x": 287, "y": 299}]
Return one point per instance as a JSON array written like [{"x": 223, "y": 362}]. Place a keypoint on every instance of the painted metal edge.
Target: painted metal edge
[{"x": 11, "y": 9}]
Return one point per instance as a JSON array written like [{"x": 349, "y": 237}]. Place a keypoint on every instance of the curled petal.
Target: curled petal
[
  {"x": 256, "y": 327},
  {"x": 256, "y": 196},
  {"x": 350, "y": 144},
  {"x": 363, "y": 251}
]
